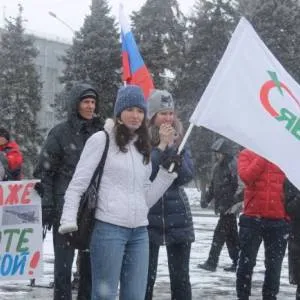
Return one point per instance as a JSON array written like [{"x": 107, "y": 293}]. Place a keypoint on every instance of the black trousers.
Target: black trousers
[
  {"x": 226, "y": 231},
  {"x": 178, "y": 263},
  {"x": 63, "y": 260}
]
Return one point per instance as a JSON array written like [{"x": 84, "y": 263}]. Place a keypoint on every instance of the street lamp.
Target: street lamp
[{"x": 52, "y": 14}]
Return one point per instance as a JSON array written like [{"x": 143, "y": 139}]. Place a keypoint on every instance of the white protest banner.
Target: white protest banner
[{"x": 21, "y": 230}]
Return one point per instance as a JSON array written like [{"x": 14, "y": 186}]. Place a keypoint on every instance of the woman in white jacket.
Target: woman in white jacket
[{"x": 119, "y": 243}]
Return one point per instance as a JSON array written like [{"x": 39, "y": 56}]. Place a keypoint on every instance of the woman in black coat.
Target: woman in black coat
[
  {"x": 170, "y": 219},
  {"x": 292, "y": 204}
]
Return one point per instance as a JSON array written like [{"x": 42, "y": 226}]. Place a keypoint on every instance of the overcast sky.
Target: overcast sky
[{"x": 72, "y": 12}]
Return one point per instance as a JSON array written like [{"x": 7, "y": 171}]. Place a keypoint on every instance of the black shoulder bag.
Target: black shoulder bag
[{"x": 80, "y": 239}]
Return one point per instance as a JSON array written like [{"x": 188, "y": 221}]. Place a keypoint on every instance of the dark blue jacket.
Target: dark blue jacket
[
  {"x": 223, "y": 185},
  {"x": 170, "y": 219}
]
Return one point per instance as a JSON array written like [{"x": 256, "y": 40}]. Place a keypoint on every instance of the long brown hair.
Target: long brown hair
[
  {"x": 154, "y": 131},
  {"x": 142, "y": 144}
]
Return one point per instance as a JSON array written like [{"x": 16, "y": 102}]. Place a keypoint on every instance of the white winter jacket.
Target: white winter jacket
[{"x": 125, "y": 193}]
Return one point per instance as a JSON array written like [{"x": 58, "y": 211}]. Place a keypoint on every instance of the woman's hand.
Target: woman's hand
[{"x": 166, "y": 135}]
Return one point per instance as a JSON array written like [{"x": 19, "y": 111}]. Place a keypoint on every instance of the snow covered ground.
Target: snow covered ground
[{"x": 217, "y": 285}]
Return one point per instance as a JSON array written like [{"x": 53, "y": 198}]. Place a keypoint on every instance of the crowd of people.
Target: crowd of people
[{"x": 142, "y": 204}]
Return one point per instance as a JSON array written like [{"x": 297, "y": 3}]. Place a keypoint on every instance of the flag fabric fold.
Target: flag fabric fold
[
  {"x": 252, "y": 100},
  {"x": 134, "y": 68}
]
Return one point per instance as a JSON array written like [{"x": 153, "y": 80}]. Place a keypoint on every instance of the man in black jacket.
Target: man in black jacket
[
  {"x": 223, "y": 188},
  {"x": 55, "y": 168}
]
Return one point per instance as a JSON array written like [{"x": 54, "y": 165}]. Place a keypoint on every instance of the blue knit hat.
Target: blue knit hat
[{"x": 129, "y": 96}]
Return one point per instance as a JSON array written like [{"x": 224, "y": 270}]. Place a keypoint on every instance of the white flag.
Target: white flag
[{"x": 252, "y": 100}]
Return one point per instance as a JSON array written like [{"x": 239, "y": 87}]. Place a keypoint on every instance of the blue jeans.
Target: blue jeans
[
  {"x": 119, "y": 254},
  {"x": 274, "y": 234}
]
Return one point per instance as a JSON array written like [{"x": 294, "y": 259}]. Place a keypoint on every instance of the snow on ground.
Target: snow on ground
[{"x": 217, "y": 285}]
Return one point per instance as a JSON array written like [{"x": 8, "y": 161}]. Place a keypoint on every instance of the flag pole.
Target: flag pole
[
  {"x": 186, "y": 136},
  {"x": 182, "y": 144}
]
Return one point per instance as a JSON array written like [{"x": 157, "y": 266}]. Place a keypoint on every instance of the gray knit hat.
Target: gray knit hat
[
  {"x": 129, "y": 96},
  {"x": 159, "y": 100}
]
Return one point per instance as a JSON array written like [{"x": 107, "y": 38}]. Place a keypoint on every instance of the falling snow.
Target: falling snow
[{"x": 219, "y": 285}]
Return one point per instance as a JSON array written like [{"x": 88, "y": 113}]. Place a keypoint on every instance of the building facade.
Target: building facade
[{"x": 50, "y": 67}]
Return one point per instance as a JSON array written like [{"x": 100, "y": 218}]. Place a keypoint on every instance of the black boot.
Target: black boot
[
  {"x": 207, "y": 266},
  {"x": 231, "y": 268},
  {"x": 298, "y": 292},
  {"x": 75, "y": 282}
]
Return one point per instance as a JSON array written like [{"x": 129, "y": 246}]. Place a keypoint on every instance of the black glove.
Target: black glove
[
  {"x": 48, "y": 216},
  {"x": 175, "y": 159}
]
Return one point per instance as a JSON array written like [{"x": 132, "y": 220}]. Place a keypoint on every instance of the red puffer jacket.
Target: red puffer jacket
[
  {"x": 263, "y": 194},
  {"x": 14, "y": 157}
]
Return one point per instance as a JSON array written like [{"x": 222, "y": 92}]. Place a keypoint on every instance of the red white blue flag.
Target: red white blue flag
[{"x": 134, "y": 68}]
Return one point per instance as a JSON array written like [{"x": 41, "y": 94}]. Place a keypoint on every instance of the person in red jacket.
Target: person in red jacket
[
  {"x": 264, "y": 219},
  {"x": 11, "y": 157}
]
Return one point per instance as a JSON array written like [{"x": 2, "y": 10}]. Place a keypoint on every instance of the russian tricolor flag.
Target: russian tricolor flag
[{"x": 134, "y": 68}]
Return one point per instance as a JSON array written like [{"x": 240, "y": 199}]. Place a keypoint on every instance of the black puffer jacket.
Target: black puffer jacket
[
  {"x": 224, "y": 183},
  {"x": 292, "y": 204},
  {"x": 62, "y": 149},
  {"x": 170, "y": 219}
]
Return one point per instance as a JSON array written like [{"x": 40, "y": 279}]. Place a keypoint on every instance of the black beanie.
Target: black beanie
[
  {"x": 4, "y": 133},
  {"x": 88, "y": 94}
]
